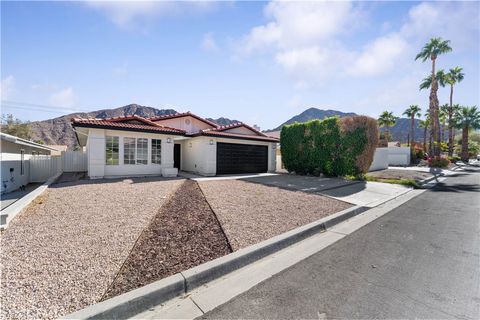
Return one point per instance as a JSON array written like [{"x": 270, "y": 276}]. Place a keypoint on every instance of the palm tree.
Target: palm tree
[
  {"x": 451, "y": 122},
  {"x": 424, "y": 124},
  {"x": 443, "y": 116},
  {"x": 387, "y": 120},
  {"x": 454, "y": 76},
  {"x": 431, "y": 50},
  {"x": 468, "y": 118},
  {"x": 427, "y": 81},
  {"x": 412, "y": 112}
]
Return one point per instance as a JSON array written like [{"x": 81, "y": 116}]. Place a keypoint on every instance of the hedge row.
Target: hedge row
[{"x": 333, "y": 146}]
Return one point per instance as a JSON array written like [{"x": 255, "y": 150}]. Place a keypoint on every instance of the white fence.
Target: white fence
[
  {"x": 43, "y": 167},
  {"x": 399, "y": 156},
  {"x": 391, "y": 156},
  {"x": 380, "y": 160},
  {"x": 74, "y": 161}
]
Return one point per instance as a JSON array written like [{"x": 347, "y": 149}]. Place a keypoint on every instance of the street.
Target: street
[{"x": 421, "y": 260}]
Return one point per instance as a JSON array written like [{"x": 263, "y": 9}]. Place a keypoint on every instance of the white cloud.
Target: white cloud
[
  {"x": 63, "y": 98},
  {"x": 307, "y": 39},
  {"x": 7, "y": 87},
  {"x": 379, "y": 56},
  {"x": 126, "y": 13},
  {"x": 209, "y": 43}
]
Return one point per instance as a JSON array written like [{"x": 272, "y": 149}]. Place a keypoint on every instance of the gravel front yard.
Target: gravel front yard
[
  {"x": 251, "y": 212},
  {"x": 184, "y": 234},
  {"x": 62, "y": 253},
  {"x": 400, "y": 174}
]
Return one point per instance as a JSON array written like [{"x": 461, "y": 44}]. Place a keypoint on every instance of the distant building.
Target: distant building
[{"x": 58, "y": 149}]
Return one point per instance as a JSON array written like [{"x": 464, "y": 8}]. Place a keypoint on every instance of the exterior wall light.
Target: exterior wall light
[
  {"x": 169, "y": 140},
  {"x": 211, "y": 142}
]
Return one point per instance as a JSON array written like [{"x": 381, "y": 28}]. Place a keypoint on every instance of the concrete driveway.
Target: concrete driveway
[{"x": 361, "y": 193}]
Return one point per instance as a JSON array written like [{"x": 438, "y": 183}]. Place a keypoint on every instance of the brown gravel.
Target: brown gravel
[
  {"x": 251, "y": 212},
  {"x": 400, "y": 174},
  {"x": 62, "y": 253},
  {"x": 184, "y": 234}
]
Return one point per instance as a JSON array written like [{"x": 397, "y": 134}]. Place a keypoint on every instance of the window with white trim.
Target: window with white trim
[
  {"x": 111, "y": 150},
  {"x": 128, "y": 150},
  {"x": 156, "y": 151},
  {"x": 142, "y": 151}
]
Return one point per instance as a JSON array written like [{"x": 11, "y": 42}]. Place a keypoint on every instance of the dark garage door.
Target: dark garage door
[{"x": 241, "y": 158}]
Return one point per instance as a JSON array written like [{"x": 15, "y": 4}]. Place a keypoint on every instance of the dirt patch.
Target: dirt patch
[
  {"x": 184, "y": 234},
  {"x": 251, "y": 212},
  {"x": 400, "y": 174},
  {"x": 64, "y": 250}
]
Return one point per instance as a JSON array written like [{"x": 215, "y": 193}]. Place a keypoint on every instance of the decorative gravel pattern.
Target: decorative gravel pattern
[
  {"x": 251, "y": 212},
  {"x": 64, "y": 250},
  {"x": 184, "y": 234}
]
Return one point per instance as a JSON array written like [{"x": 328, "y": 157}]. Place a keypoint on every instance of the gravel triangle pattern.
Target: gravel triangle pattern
[{"x": 184, "y": 234}]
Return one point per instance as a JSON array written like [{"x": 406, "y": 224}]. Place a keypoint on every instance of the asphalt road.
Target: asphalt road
[{"x": 421, "y": 260}]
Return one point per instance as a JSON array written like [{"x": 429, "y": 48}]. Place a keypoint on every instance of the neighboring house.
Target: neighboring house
[
  {"x": 15, "y": 153},
  {"x": 136, "y": 146},
  {"x": 58, "y": 149}
]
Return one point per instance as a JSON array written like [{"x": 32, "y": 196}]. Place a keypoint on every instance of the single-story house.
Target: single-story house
[
  {"x": 14, "y": 156},
  {"x": 162, "y": 145}
]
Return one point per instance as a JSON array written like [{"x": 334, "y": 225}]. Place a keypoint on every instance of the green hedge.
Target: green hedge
[{"x": 333, "y": 146}]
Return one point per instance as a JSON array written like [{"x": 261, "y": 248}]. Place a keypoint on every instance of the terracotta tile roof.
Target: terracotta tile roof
[
  {"x": 115, "y": 124},
  {"x": 237, "y": 125},
  {"x": 222, "y": 134},
  {"x": 183, "y": 114}
]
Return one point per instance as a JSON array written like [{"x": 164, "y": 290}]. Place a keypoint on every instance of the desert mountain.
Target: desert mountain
[
  {"x": 399, "y": 131},
  {"x": 59, "y": 131}
]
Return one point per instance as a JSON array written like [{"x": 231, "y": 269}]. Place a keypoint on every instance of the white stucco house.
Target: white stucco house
[
  {"x": 137, "y": 146},
  {"x": 14, "y": 158}
]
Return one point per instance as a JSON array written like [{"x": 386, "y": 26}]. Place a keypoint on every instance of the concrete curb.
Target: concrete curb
[
  {"x": 135, "y": 301},
  {"x": 141, "y": 299},
  {"x": 15, "y": 208}
]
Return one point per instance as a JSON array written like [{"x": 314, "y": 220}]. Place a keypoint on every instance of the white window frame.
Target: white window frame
[
  {"x": 156, "y": 157},
  {"x": 130, "y": 160},
  {"x": 141, "y": 152},
  {"x": 112, "y": 142}
]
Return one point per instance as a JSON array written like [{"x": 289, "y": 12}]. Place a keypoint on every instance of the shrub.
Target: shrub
[
  {"x": 417, "y": 154},
  {"x": 334, "y": 147},
  {"x": 454, "y": 159},
  {"x": 438, "y": 162}
]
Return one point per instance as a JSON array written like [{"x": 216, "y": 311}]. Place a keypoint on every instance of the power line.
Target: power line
[{"x": 39, "y": 107}]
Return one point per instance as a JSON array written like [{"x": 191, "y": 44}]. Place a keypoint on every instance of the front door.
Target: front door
[{"x": 176, "y": 156}]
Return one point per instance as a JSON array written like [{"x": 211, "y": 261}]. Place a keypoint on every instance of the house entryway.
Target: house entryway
[{"x": 177, "y": 156}]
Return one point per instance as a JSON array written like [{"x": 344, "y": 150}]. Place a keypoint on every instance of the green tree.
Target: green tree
[
  {"x": 387, "y": 120},
  {"x": 427, "y": 81},
  {"x": 16, "y": 127},
  {"x": 412, "y": 112},
  {"x": 454, "y": 76},
  {"x": 467, "y": 118},
  {"x": 431, "y": 50}
]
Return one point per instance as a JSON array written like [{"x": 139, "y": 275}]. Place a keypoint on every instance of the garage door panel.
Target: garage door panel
[{"x": 241, "y": 158}]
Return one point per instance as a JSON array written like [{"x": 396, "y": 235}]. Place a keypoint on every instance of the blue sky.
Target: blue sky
[{"x": 259, "y": 62}]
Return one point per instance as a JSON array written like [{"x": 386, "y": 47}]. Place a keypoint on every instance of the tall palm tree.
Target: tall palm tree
[
  {"x": 454, "y": 76},
  {"x": 412, "y": 112},
  {"x": 468, "y": 118},
  {"x": 424, "y": 124},
  {"x": 387, "y": 120},
  {"x": 431, "y": 50},
  {"x": 451, "y": 122}
]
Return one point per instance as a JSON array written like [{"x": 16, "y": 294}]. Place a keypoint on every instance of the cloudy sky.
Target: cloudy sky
[{"x": 260, "y": 62}]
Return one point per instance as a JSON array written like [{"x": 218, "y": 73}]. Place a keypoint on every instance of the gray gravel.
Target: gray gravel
[
  {"x": 251, "y": 212},
  {"x": 64, "y": 250}
]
